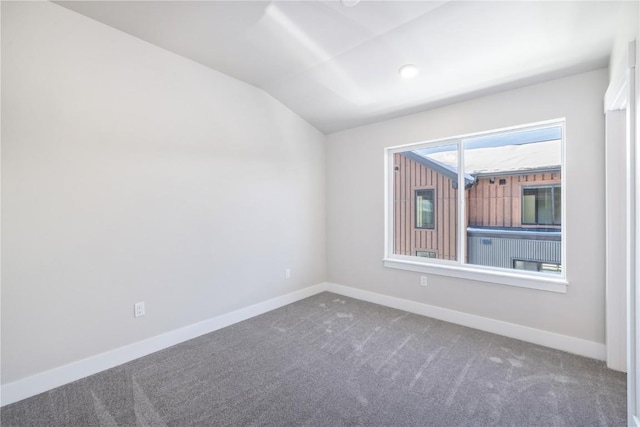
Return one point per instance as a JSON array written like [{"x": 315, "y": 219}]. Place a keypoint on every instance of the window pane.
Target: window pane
[
  {"x": 539, "y": 205},
  {"x": 544, "y": 206},
  {"x": 424, "y": 209},
  {"x": 525, "y": 265},
  {"x": 425, "y": 205},
  {"x": 544, "y": 267},
  {"x": 513, "y": 204},
  {"x": 528, "y": 207},
  {"x": 547, "y": 267},
  {"x": 426, "y": 254},
  {"x": 557, "y": 205},
  {"x": 512, "y": 188}
]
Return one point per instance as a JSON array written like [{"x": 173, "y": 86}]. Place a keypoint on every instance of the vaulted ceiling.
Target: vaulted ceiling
[{"x": 337, "y": 66}]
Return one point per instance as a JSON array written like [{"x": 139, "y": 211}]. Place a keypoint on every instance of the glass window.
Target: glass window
[
  {"x": 426, "y": 254},
  {"x": 490, "y": 200},
  {"x": 557, "y": 205},
  {"x": 544, "y": 267},
  {"x": 541, "y": 205},
  {"x": 525, "y": 265},
  {"x": 424, "y": 209}
]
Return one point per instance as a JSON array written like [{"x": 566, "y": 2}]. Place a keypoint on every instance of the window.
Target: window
[
  {"x": 545, "y": 267},
  {"x": 481, "y": 205},
  {"x": 541, "y": 205},
  {"x": 424, "y": 209},
  {"x": 426, "y": 254}
]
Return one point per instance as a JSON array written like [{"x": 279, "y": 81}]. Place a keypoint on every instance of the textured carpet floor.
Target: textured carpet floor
[{"x": 330, "y": 361}]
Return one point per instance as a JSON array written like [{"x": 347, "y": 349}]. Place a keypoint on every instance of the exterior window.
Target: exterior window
[
  {"x": 426, "y": 254},
  {"x": 489, "y": 200},
  {"x": 544, "y": 267},
  {"x": 541, "y": 205},
  {"x": 425, "y": 211}
]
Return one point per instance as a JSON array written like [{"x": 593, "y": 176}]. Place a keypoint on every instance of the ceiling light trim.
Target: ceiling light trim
[{"x": 409, "y": 71}]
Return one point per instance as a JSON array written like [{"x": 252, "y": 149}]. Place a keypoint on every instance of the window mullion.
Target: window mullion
[{"x": 461, "y": 226}]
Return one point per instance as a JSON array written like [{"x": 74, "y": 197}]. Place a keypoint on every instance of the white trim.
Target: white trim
[
  {"x": 621, "y": 94},
  {"x": 44, "y": 381},
  {"x": 616, "y": 239},
  {"x": 633, "y": 247},
  {"x": 615, "y": 98},
  {"x": 388, "y": 204},
  {"x": 56, "y": 377},
  {"x": 461, "y": 231},
  {"x": 484, "y": 274},
  {"x": 451, "y": 140},
  {"x": 565, "y": 189},
  {"x": 566, "y": 343}
]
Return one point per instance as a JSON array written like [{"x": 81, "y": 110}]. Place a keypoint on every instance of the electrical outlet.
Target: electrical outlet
[
  {"x": 287, "y": 273},
  {"x": 423, "y": 280},
  {"x": 138, "y": 309}
]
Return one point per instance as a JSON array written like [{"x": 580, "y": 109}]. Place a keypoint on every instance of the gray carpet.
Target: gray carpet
[{"x": 331, "y": 361}]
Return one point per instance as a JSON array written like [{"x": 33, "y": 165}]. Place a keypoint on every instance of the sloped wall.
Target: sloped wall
[{"x": 132, "y": 174}]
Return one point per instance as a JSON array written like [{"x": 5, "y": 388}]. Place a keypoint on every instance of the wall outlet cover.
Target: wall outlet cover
[{"x": 138, "y": 309}]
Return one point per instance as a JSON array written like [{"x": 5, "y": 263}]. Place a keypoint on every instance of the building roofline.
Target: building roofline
[
  {"x": 470, "y": 180},
  {"x": 440, "y": 168},
  {"x": 549, "y": 169}
]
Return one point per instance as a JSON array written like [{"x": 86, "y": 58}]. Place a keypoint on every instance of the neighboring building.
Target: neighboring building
[{"x": 513, "y": 206}]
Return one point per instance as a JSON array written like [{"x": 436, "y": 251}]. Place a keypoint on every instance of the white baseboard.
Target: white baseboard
[
  {"x": 566, "y": 343},
  {"x": 39, "y": 383}
]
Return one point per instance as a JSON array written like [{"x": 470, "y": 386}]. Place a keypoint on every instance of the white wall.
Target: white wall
[
  {"x": 132, "y": 174},
  {"x": 626, "y": 31},
  {"x": 355, "y": 212}
]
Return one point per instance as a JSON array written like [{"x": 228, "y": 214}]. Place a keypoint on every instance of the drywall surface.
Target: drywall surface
[
  {"x": 355, "y": 206},
  {"x": 132, "y": 174}
]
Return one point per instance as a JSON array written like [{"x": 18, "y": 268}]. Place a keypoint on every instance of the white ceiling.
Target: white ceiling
[{"x": 337, "y": 66}]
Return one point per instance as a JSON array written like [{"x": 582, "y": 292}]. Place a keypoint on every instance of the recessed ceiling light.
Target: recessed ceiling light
[
  {"x": 349, "y": 3},
  {"x": 408, "y": 71}
]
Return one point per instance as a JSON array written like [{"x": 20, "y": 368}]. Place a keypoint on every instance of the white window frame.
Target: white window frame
[{"x": 458, "y": 268}]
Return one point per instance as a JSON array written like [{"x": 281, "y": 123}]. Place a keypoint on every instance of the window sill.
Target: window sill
[{"x": 543, "y": 283}]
